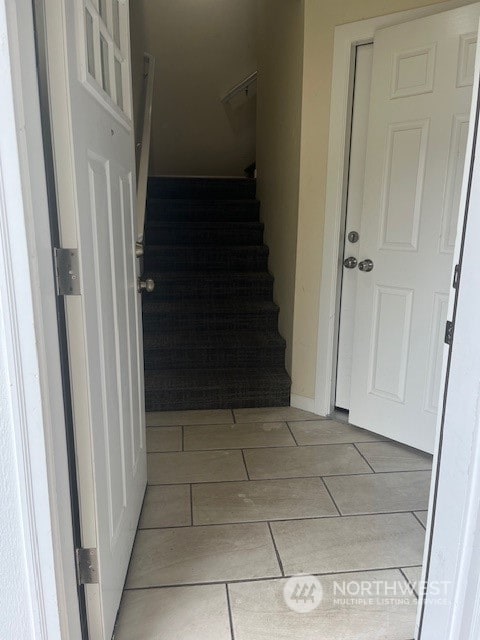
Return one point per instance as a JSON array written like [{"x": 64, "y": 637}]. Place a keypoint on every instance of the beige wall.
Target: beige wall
[
  {"x": 202, "y": 48},
  {"x": 280, "y": 55},
  {"x": 320, "y": 21}
]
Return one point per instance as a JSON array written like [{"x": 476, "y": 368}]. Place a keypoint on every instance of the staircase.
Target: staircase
[{"x": 210, "y": 326}]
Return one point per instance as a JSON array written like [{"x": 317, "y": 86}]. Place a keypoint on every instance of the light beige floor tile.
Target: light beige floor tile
[
  {"x": 422, "y": 516},
  {"x": 297, "y": 462},
  {"x": 180, "y": 613},
  {"x": 202, "y": 554},
  {"x": 383, "y": 492},
  {"x": 351, "y": 543},
  {"x": 259, "y": 611},
  {"x": 166, "y": 506},
  {"x": 273, "y": 414},
  {"x": 238, "y": 436},
  {"x": 164, "y": 439},
  {"x": 391, "y": 456},
  {"x": 195, "y": 466},
  {"x": 329, "y": 432},
  {"x": 261, "y": 500},
  {"x": 203, "y": 416},
  {"x": 414, "y": 576}
]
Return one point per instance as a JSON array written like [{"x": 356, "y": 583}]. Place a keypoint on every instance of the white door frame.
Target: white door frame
[
  {"x": 31, "y": 404},
  {"x": 347, "y": 37}
]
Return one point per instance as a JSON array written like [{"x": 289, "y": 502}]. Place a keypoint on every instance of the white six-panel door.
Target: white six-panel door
[
  {"x": 95, "y": 170},
  {"x": 420, "y": 98}
]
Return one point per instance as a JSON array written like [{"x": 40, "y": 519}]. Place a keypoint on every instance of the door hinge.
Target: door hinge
[
  {"x": 456, "y": 276},
  {"x": 87, "y": 566},
  {"x": 67, "y": 272},
  {"x": 449, "y": 332}
]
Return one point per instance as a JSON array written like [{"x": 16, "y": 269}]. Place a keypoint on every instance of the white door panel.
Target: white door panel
[
  {"x": 420, "y": 97},
  {"x": 91, "y": 107}
]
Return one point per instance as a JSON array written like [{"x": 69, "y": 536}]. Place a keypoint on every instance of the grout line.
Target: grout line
[
  {"x": 191, "y": 506},
  {"x": 170, "y": 484},
  {"x": 285, "y": 520},
  {"x": 361, "y": 454},
  {"x": 408, "y": 581},
  {"x": 203, "y": 424},
  {"x": 290, "y": 446},
  {"x": 229, "y": 608},
  {"x": 292, "y": 434},
  {"x": 269, "y": 446},
  {"x": 164, "y": 426},
  {"x": 324, "y": 475},
  {"x": 183, "y": 437},
  {"x": 266, "y": 578},
  {"x": 418, "y": 519},
  {"x": 279, "y": 560},
  {"x": 331, "y": 496},
  {"x": 245, "y": 464}
]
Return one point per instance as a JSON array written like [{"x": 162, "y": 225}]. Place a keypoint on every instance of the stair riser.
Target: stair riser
[
  {"x": 214, "y": 358},
  {"x": 191, "y": 188},
  {"x": 197, "y": 400},
  {"x": 198, "y": 290},
  {"x": 187, "y": 236},
  {"x": 245, "y": 213},
  {"x": 210, "y": 321},
  {"x": 191, "y": 260}
]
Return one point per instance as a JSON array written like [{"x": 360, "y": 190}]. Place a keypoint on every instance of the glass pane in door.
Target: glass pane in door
[{"x": 105, "y": 65}]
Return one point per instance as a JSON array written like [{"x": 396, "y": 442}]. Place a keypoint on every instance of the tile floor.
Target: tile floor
[{"x": 239, "y": 501}]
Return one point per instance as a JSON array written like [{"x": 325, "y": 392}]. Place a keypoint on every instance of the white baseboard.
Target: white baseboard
[{"x": 302, "y": 402}]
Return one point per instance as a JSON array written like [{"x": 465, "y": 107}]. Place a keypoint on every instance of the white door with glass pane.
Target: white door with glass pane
[
  {"x": 89, "y": 75},
  {"x": 419, "y": 109}
]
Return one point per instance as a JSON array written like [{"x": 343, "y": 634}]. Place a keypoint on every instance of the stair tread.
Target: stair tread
[
  {"x": 215, "y": 306},
  {"x": 205, "y": 224},
  {"x": 203, "y": 378},
  {"x": 212, "y": 339},
  {"x": 179, "y": 248},
  {"x": 203, "y": 202},
  {"x": 201, "y": 187},
  {"x": 212, "y": 276}
]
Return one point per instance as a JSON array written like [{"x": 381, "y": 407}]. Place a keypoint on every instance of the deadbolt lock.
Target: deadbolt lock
[{"x": 353, "y": 236}]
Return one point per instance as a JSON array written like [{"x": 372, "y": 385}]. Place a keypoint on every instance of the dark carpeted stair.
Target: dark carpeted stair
[
  {"x": 202, "y": 258},
  {"x": 243, "y": 315},
  {"x": 218, "y": 349},
  {"x": 210, "y": 326},
  {"x": 204, "y": 233},
  {"x": 185, "y": 210}
]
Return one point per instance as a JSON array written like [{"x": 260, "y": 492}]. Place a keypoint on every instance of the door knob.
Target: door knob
[
  {"x": 350, "y": 263},
  {"x": 147, "y": 285},
  {"x": 365, "y": 265}
]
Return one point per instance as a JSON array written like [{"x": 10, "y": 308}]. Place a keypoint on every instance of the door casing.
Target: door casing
[{"x": 34, "y": 363}]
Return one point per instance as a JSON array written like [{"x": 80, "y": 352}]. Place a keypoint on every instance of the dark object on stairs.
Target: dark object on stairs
[
  {"x": 210, "y": 326},
  {"x": 250, "y": 170}
]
